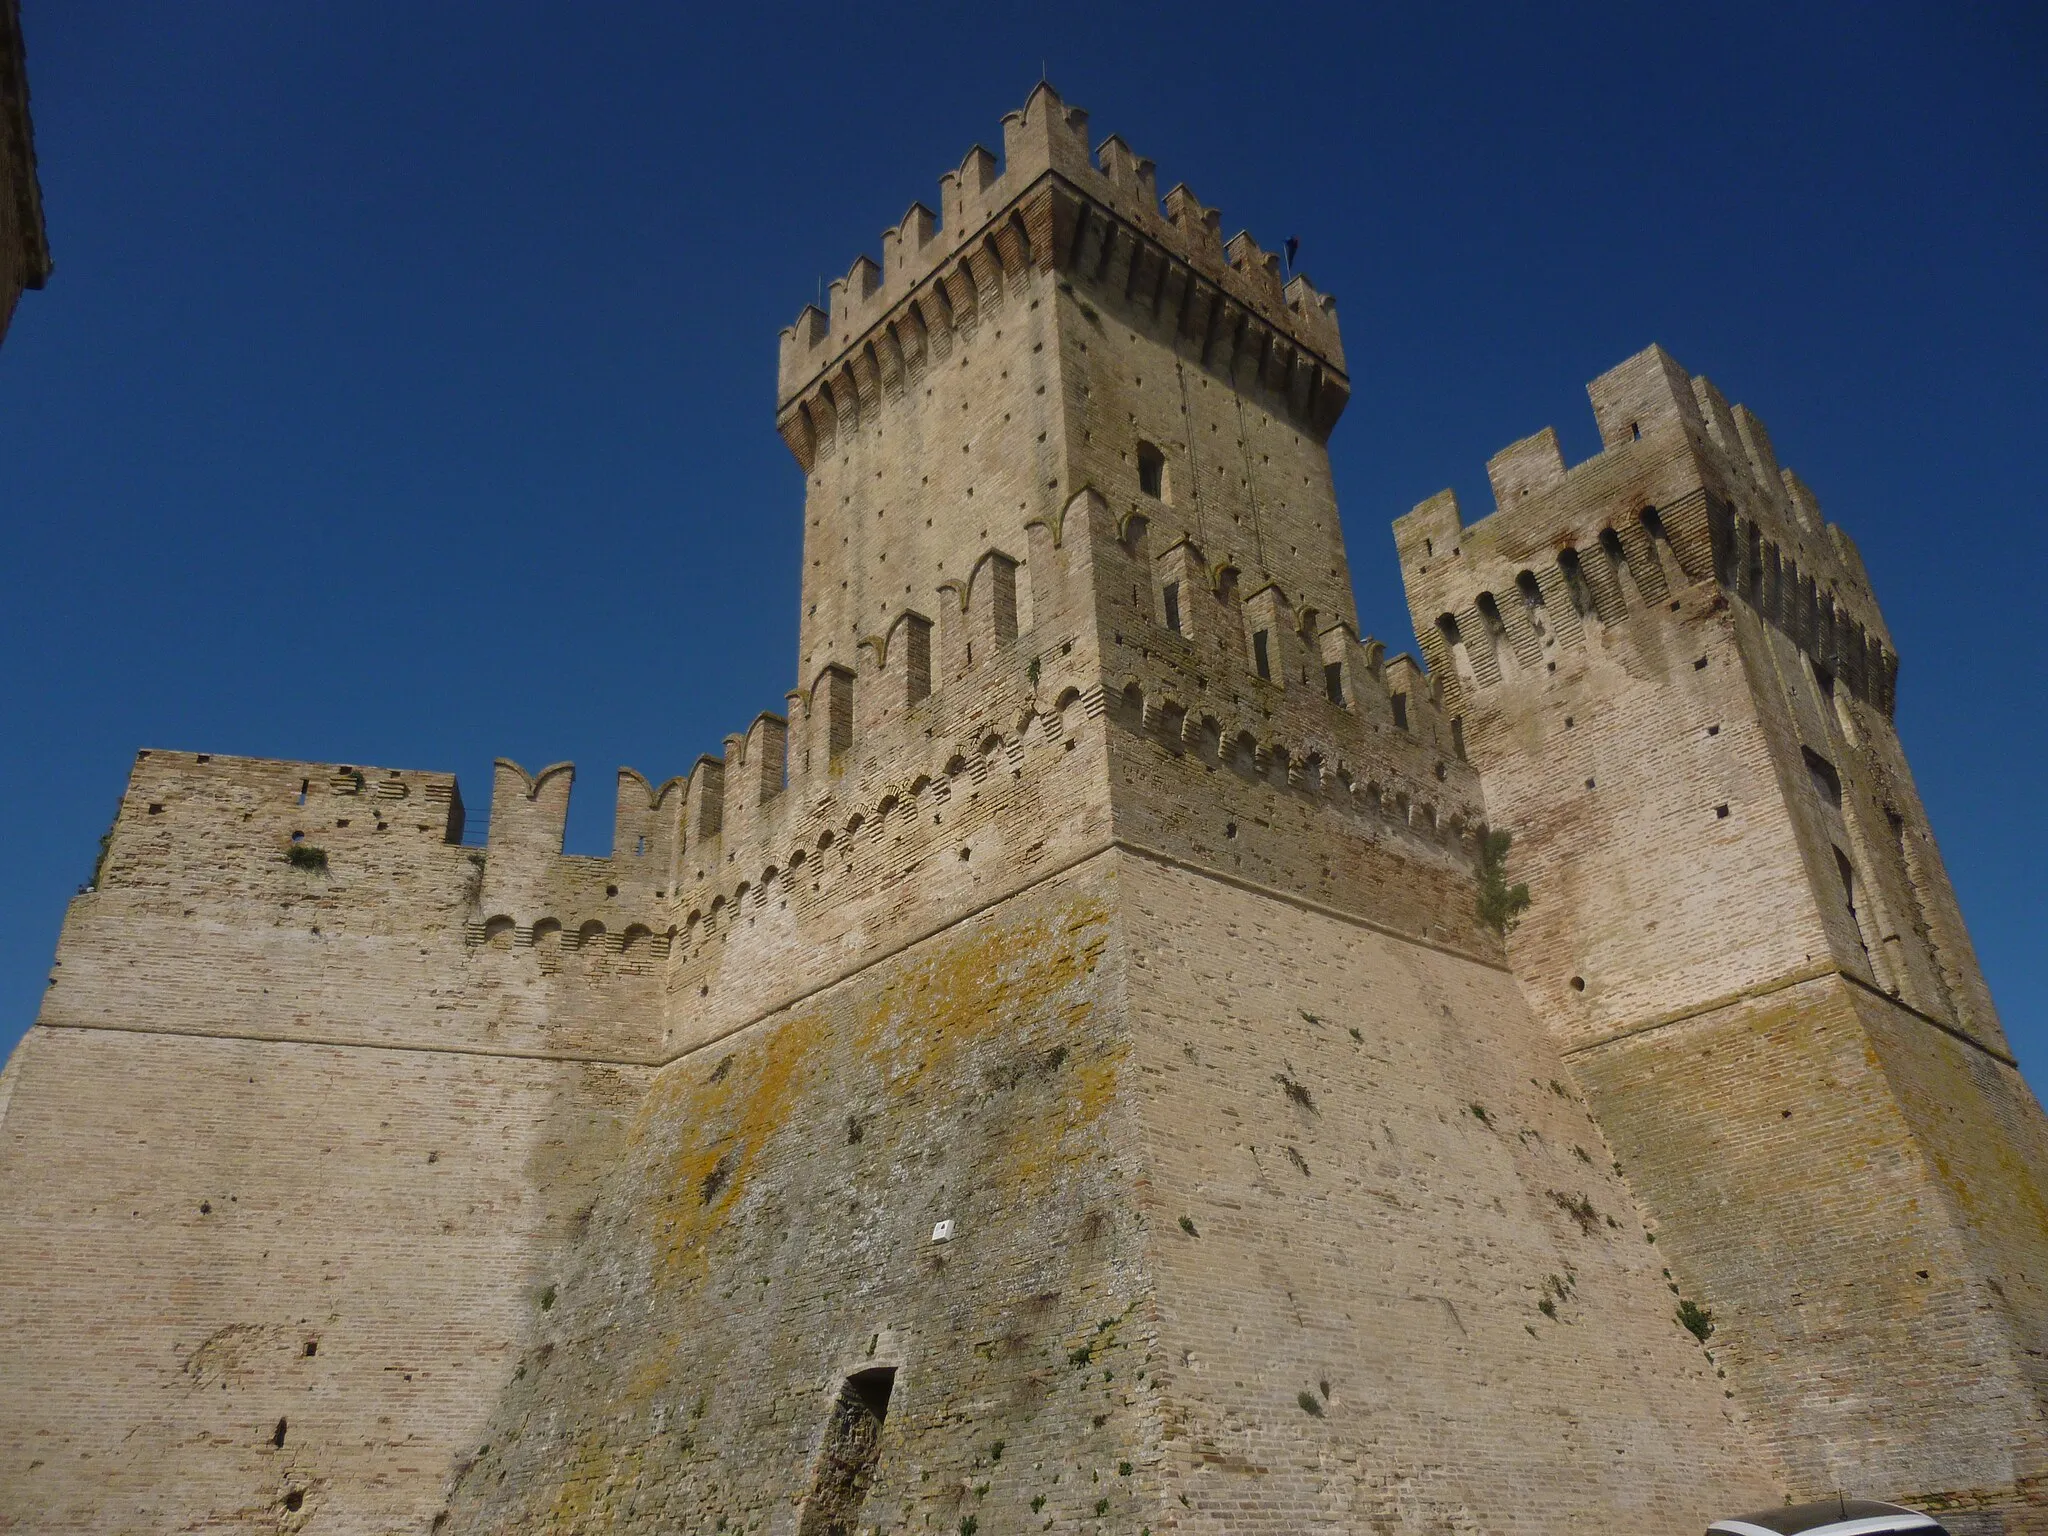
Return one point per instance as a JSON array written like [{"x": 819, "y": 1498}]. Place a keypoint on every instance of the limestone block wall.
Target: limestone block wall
[
  {"x": 271, "y": 1285},
  {"x": 1412, "y": 1291}
]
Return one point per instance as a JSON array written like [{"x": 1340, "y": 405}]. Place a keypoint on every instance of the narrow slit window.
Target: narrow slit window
[
  {"x": 1458, "y": 736},
  {"x": 1151, "y": 471},
  {"x": 1173, "y": 606},
  {"x": 1333, "y": 681},
  {"x": 1260, "y": 657},
  {"x": 917, "y": 678},
  {"x": 1400, "y": 703},
  {"x": 847, "y": 1460}
]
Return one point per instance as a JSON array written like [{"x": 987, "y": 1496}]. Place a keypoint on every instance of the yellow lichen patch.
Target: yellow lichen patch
[
  {"x": 724, "y": 1112},
  {"x": 724, "y": 1106}
]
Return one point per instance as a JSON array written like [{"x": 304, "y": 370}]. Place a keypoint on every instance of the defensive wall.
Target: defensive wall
[{"x": 1677, "y": 687}]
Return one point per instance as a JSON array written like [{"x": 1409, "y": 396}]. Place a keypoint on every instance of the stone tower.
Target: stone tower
[
  {"x": 1677, "y": 687},
  {"x": 1054, "y": 1077}
]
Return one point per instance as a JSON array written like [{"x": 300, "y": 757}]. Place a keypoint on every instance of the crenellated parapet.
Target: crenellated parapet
[
  {"x": 1685, "y": 491},
  {"x": 1052, "y": 205}
]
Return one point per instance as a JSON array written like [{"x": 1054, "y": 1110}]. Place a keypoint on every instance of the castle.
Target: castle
[{"x": 1080, "y": 1067}]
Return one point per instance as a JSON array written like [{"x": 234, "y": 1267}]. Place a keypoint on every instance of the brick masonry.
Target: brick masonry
[{"x": 1104, "y": 893}]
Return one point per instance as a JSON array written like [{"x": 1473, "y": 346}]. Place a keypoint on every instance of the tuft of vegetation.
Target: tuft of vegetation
[
  {"x": 968, "y": 1525},
  {"x": 99, "y": 859},
  {"x": 1102, "y": 1506},
  {"x": 1500, "y": 905},
  {"x": 547, "y": 1299},
  {"x": 995, "y": 1452},
  {"x": 1123, "y": 1469},
  {"x": 1556, "y": 1288},
  {"x": 1579, "y": 1208},
  {"x": 1298, "y": 1092},
  {"x": 305, "y": 856},
  {"x": 1309, "y": 1405},
  {"x": 1037, "y": 1502},
  {"x": 1080, "y": 1357},
  {"x": 1032, "y": 671},
  {"x": 1187, "y": 1225},
  {"x": 1695, "y": 1319},
  {"x": 1479, "y": 1113},
  {"x": 1357, "y": 1035}
]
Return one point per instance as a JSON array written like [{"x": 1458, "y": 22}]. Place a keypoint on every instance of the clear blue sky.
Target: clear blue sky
[{"x": 403, "y": 394}]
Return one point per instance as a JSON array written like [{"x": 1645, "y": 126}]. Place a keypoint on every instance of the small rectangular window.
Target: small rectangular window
[
  {"x": 1173, "y": 606},
  {"x": 1151, "y": 471},
  {"x": 1826, "y": 781},
  {"x": 1400, "y": 702},
  {"x": 1259, "y": 656},
  {"x": 1333, "y": 681}
]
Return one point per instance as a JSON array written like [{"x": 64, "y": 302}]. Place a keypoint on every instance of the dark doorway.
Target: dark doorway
[{"x": 846, "y": 1463}]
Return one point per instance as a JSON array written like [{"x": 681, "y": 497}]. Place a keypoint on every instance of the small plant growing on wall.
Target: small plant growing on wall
[
  {"x": 99, "y": 862},
  {"x": 1500, "y": 905},
  {"x": 1695, "y": 1319},
  {"x": 305, "y": 856}
]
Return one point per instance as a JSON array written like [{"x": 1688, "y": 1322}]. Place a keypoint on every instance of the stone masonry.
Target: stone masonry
[
  {"x": 1056, "y": 1075},
  {"x": 24, "y": 244}
]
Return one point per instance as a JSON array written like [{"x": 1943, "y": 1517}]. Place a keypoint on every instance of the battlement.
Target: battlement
[
  {"x": 1685, "y": 490},
  {"x": 937, "y": 268}
]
